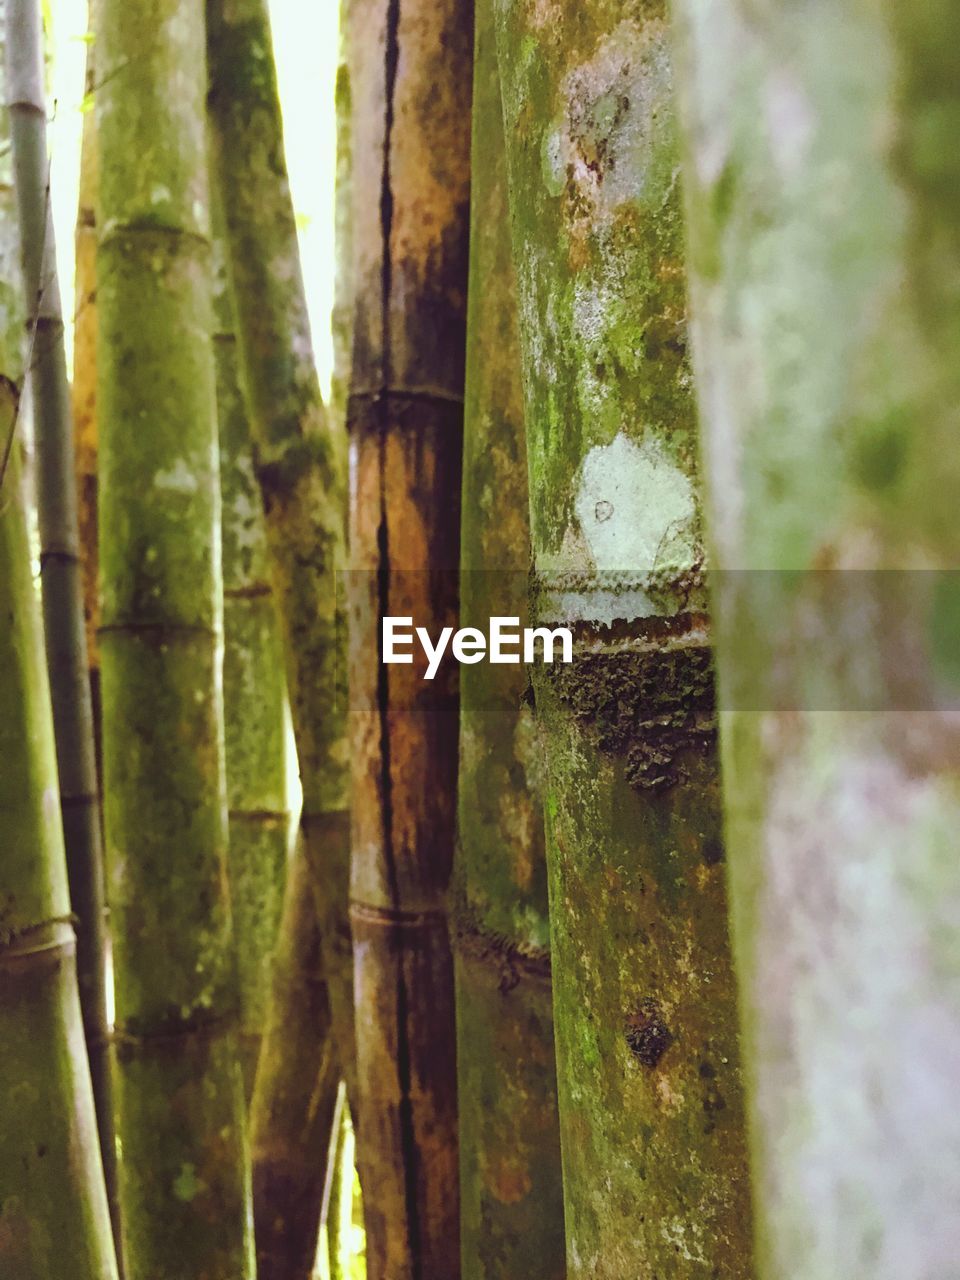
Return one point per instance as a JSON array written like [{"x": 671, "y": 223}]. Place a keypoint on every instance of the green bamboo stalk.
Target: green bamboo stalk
[
  {"x": 60, "y": 571},
  {"x": 255, "y": 701},
  {"x": 411, "y": 151},
  {"x": 295, "y": 1094},
  {"x": 300, "y": 464},
  {"x": 184, "y": 1182},
  {"x": 53, "y": 1203},
  {"x": 652, "y": 1131},
  {"x": 822, "y": 176},
  {"x": 52, "y": 1196},
  {"x": 299, "y": 455},
  {"x": 511, "y": 1214}
]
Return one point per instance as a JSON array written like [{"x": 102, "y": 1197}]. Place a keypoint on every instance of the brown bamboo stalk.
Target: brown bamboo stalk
[{"x": 411, "y": 141}]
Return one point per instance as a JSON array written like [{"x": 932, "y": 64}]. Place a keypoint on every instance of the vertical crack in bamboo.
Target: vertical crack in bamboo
[{"x": 410, "y": 108}]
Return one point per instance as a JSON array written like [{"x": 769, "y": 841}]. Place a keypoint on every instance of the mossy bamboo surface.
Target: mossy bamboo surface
[
  {"x": 343, "y": 292},
  {"x": 254, "y": 694},
  {"x": 410, "y": 80},
  {"x": 652, "y": 1129},
  {"x": 60, "y": 570},
  {"x": 299, "y": 455},
  {"x": 822, "y": 179},
  {"x": 184, "y": 1179},
  {"x": 511, "y": 1196},
  {"x": 295, "y": 1095},
  {"x": 52, "y": 1196}
]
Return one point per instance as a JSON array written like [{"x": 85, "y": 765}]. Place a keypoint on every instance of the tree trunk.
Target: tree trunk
[
  {"x": 655, "y": 1179},
  {"x": 511, "y": 1222},
  {"x": 183, "y": 1180},
  {"x": 411, "y": 112},
  {"x": 60, "y": 573},
  {"x": 824, "y": 226},
  {"x": 299, "y": 456},
  {"x": 255, "y": 701},
  {"x": 292, "y": 1116}
]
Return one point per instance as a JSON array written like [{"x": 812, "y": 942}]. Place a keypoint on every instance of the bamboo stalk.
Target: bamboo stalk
[
  {"x": 299, "y": 456},
  {"x": 511, "y": 1221},
  {"x": 53, "y": 1203},
  {"x": 651, "y": 1112},
  {"x": 52, "y": 1194},
  {"x": 184, "y": 1176},
  {"x": 295, "y": 1094},
  {"x": 255, "y": 699},
  {"x": 411, "y": 113},
  {"x": 60, "y": 569},
  {"x": 825, "y": 337},
  {"x": 84, "y": 386}
]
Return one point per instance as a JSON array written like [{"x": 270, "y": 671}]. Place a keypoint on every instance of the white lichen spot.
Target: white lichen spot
[
  {"x": 615, "y": 122},
  {"x": 790, "y": 121},
  {"x": 686, "y": 1236},
  {"x": 179, "y": 478},
  {"x": 592, "y": 302},
  {"x": 552, "y": 161},
  {"x": 159, "y": 194},
  {"x": 636, "y": 509}
]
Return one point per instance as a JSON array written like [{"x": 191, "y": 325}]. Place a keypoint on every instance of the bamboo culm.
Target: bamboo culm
[
  {"x": 52, "y": 1196},
  {"x": 254, "y": 695},
  {"x": 410, "y": 178},
  {"x": 60, "y": 569},
  {"x": 511, "y": 1219},
  {"x": 300, "y": 464},
  {"x": 825, "y": 336},
  {"x": 84, "y": 385},
  {"x": 292, "y": 1117},
  {"x": 184, "y": 1176},
  {"x": 651, "y": 1112}
]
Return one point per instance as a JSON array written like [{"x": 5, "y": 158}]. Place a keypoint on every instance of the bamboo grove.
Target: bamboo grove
[{"x": 639, "y": 963}]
